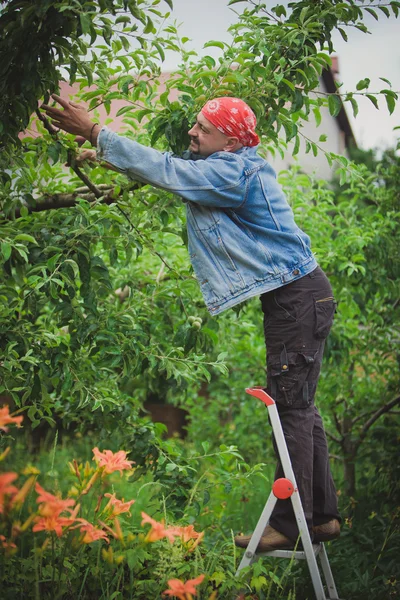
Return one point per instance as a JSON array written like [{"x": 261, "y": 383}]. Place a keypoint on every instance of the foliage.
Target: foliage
[
  {"x": 66, "y": 530},
  {"x": 99, "y": 307},
  {"x": 40, "y": 37}
]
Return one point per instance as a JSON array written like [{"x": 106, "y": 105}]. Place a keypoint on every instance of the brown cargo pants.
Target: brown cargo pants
[{"x": 297, "y": 320}]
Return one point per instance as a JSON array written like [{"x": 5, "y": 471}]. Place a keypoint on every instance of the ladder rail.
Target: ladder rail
[{"x": 310, "y": 550}]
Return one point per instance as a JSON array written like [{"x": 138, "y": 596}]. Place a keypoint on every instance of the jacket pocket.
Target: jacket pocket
[
  {"x": 288, "y": 383},
  {"x": 325, "y": 309}
]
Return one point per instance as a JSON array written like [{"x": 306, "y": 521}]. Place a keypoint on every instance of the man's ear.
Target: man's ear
[{"x": 232, "y": 144}]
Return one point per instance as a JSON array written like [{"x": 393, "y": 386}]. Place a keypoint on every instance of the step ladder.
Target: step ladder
[{"x": 282, "y": 489}]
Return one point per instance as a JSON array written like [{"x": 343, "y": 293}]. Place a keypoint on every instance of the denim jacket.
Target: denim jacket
[{"x": 243, "y": 240}]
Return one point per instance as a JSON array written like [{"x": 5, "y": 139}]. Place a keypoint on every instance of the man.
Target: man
[{"x": 243, "y": 241}]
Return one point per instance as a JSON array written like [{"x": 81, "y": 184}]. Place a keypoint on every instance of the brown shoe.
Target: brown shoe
[
  {"x": 327, "y": 531},
  {"x": 270, "y": 540}
]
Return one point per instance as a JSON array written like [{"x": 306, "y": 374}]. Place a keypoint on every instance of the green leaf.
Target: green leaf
[
  {"x": 317, "y": 115},
  {"x": 85, "y": 23},
  {"x": 373, "y": 99},
  {"x": 6, "y": 250},
  {"x": 296, "y": 146},
  {"x": 25, "y": 237},
  {"x": 160, "y": 50},
  {"x": 391, "y": 103},
  {"x": 124, "y": 110},
  {"x": 290, "y": 130},
  {"x": 289, "y": 84},
  {"x": 385, "y": 10},
  {"x": 363, "y": 84},
  {"x": 343, "y": 34},
  {"x": 214, "y": 43},
  {"x": 334, "y": 104},
  {"x": 372, "y": 12},
  {"x": 354, "y": 106},
  {"x": 323, "y": 137}
]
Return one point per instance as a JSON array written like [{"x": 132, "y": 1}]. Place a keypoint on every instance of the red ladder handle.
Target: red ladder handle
[{"x": 258, "y": 392}]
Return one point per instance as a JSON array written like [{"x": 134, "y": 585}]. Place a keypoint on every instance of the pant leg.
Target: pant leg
[
  {"x": 324, "y": 493},
  {"x": 297, "y": 319},
  {"x": 297, "y": 425}
]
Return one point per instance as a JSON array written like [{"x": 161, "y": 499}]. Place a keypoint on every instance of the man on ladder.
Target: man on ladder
[{"x": 243, "y": 242}]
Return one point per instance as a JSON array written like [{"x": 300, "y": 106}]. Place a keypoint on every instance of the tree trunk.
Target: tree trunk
[{"x": 350, "y": 473}]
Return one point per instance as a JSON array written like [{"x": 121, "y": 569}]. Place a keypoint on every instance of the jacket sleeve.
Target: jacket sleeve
[{"x": 219, "y": 180}]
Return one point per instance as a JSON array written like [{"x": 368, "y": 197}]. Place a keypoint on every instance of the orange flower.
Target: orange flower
[
  {"x": 6, "y": 418},
  {"x": 52, "y": 523},
  {"x": 112, "y": 461},
  {"x": 118, "y": 506},
  {"x": 6, "y": 489},
  {"x": 187, "y": 535},
  {"x": 8, "y": 545},
  {"x": 92, "y": 533},
  {"x": 158, "y": 530},
  {"x": 183, "y": 590},
  {"x": 50, "y": 505}
]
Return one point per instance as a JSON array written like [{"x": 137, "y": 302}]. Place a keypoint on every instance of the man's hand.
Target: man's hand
[
  {"x": 73, "y": 119},
  {"x": 86, "y": 155}
]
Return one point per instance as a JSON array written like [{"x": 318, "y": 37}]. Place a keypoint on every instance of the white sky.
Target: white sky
[{"x": 373, "y": 56}]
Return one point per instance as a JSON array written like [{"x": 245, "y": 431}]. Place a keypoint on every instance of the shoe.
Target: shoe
[
  {"x": 327, "y": 531},
  {"x": 270, "y": 540}
]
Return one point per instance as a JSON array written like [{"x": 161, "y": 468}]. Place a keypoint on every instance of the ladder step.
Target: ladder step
[{"x": 297, "y": 554}]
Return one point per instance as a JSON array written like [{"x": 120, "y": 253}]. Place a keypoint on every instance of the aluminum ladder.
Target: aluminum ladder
[{"x": 282, "y": 489}]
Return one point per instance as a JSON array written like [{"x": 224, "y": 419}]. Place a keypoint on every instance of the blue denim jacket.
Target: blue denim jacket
[{"x": 243, "y": 240}]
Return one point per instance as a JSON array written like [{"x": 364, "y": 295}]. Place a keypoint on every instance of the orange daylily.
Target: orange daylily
[
  {"x": 112, "y": 461},
  {"x": 92, "y": 533},
  {"x": 49, "y": 518},
  {"x": 118, "y": 506},
  {"x": 6, "y": 489},
  {"x": 158, "y": 530},
  {"x": 6, "y": 418},
  {"x": 183, "y": 590},
  {"x": 188, "y": 534},
  {"x": 52, "y": 523},
  {"x": 50, "y": 505},
  {"x": 8, "y": 545}
]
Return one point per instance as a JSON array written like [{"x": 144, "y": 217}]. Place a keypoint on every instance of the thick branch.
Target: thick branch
[
  {"x": 381, "y": 411},
  {"x": 69, "y": 199}
]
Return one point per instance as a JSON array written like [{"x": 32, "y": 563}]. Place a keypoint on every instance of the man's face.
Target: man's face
[{"x": 205, "y": 138}]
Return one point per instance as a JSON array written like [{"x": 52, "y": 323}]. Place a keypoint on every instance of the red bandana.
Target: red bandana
[{"x": 232, "y": 117}]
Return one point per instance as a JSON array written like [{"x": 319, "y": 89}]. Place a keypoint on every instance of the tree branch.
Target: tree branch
[
  {"x": 72, "y": 163},
  {"x": 333, "y": 437},
  {"x": 69, "y": 199},
  {"x": 381, "y": 411},
  {"x": 47, "y": 125}
]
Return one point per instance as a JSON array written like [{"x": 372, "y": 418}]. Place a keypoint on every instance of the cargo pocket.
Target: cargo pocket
[
  {"x": 325, "y": 309},
  {"x": 288, "y": 383}
]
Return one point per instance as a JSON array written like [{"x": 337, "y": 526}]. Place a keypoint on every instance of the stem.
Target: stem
[{"x": 52, "y": 559}]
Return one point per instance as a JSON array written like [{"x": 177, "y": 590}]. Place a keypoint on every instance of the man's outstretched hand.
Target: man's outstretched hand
[{"x": 73, "y": 119}]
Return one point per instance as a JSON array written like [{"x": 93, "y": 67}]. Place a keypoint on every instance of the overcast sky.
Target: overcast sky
[{"x": 376, "y": 55}]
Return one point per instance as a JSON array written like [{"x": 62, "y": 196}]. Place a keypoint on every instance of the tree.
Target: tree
[{"x": 68, "y": 343}]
